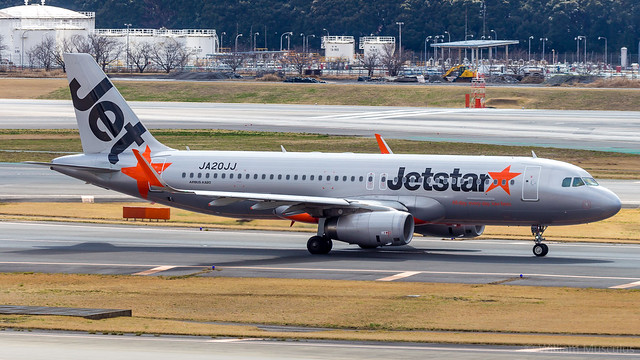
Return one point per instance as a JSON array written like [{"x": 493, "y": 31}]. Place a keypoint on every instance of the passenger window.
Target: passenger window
[
  {"x": 215, "y": 175},
  {"x": 246, "y": 177},
  {"x": 361, "y": 178},
  {"x": 271, "y": 177},
  {"x": 288, "y": 176},
  {"x": 344, "y": 178},
  {"x": 353, "y": 178},
  {"x": 295, "y": 177},
  {"x": 184, "y": 175},
  {"x": 191, "y": 175},
  {"x": 336, "y": 178},
  {"x": 513, "y": 182},
  {"x": 255, "y": 176},
  {"x": 222, "y": 175},
  {"x": 199, "y": 175},
  {"x": 310, "y": 177},
  {"x": 279, "y": 176},
  {"x": 206, "y": 175},
  {"x": 577, "y": 182},
  {"x": 231, "y": 176},
  {"x": 264, "y": 176},
  {"x": 304, "y": 177},
  {"x": 566, "y": 182},
  {"x": 319, "y": 177}
]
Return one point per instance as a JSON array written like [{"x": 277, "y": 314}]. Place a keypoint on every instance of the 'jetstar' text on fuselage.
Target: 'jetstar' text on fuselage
[{"x": 439, "y": 181}]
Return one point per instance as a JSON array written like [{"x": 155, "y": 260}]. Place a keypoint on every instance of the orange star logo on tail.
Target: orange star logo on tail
[
  {"x": 503, "y": 177},
  {"x": 138, "y": 173}
]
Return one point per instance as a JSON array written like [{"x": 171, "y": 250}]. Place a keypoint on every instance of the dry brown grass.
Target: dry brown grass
[
  {"x": 29, "y": 88},
  {"x": 622, "y": 228},
  {"x": 168, "y": 305},
  {"x": 617, "y": 82}
]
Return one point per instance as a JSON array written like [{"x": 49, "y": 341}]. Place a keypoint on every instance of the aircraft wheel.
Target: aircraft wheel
[
  {"x": 318, "y": 245},
  {"x": 540, "y": 250},
  {"x": 367, "y": 247}
]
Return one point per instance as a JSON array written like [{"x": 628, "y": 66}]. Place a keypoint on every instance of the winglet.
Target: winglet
[
  {"x": 384, "y": 148},
  {"x": 151, "y": 175}
]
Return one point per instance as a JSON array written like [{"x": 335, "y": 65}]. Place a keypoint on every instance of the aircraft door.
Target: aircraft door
[
  {"x": 370, "y": 181},
  {"x": 530, "y": 183}
]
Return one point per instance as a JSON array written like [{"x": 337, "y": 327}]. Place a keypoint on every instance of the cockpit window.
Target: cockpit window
[
  {"x": 590, "y": 181},
  {"x": 577, "y": 182},
  {"x": 566, "y": 182}
]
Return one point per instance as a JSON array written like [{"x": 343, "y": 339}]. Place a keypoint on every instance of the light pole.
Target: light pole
[
  {"x": 283, "y": 34},
  {"x": 436, "y": 49},
  {"x": 400, "y": 23},
  {"x": 577, "y": 39},
  {"x": 236, "y": 48},
  {"x": 530, "y": 38},
  {"x": 22, "y": 49},
  {"x": 326, "y": 31},
  {"x": 302, "y": 35},
  {"x": 254, "y": 40},
  {"x": 128, "y": 28},
  {"x": 426, "y": 56},
  {"x": 494, "y": 32},
  {"x": 220, "y": 46},
  {"x": 605, "y": 49},
  {"x": 466, "y": 37},
  {"x": 449, "y": 35},
  {"x": 308, "y": 40},
  {"x": 544, "y": 41}
]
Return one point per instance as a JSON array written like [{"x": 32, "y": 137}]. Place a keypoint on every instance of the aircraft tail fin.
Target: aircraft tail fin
[{"x": 106, "y": 122}]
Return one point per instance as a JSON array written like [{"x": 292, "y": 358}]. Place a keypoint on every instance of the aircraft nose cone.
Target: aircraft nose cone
[{"x": 608, "y": 204}]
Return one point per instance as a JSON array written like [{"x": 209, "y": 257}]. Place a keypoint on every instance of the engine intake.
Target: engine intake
[
  {"x": 372, "y": 229},
  {"x": 451, "y": 231}
]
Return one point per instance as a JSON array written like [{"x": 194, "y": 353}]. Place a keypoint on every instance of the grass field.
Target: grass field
[
  {"x": 44, "y": 145},
  {"x": 340, "y": 94},
  {"x": 352, "y": 309}
]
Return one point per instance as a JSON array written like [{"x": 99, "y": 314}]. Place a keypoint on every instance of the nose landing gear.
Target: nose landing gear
[{"x": 539, "y": 249}]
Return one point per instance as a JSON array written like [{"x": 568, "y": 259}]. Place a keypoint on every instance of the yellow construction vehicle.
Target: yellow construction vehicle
[{"x": 459, "y": 73}]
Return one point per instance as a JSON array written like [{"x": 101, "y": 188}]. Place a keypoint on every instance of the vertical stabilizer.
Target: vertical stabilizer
[{"x": 106, "y": 122}]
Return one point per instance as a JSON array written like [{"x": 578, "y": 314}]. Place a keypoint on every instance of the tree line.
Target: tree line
[
  {"x": 560, "y": 21},
  {"x": 165, "y": 55}
]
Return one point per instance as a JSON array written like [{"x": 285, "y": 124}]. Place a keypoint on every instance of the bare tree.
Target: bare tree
[
  {"x": 233, "y": 60},
  {"x": 65, "y": 46},
  {"x": 298, "y": 60},
  {"x": 391, "y": 60},
  {"x": 370, "y": 61},
  {"x": 3, "y": 47},
  {"x": 103, "y": 48},
  {"x": 140, "y": 55},
  {"x": 43, "y": 54},
  {"x": 169, "y": 55}
]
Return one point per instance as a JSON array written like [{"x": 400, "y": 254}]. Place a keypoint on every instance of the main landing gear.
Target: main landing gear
[
  {"x": 319, "y": 245},
  {"x": 539, "y": 249}
]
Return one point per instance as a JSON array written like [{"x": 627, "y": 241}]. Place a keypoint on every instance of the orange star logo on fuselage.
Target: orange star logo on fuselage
[
  {"x": 503, "y": 178},
  {"x": 139, "y": 175}
]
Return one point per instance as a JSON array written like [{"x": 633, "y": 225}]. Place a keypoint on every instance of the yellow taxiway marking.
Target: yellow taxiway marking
[
  {"x": 401, "y": 275},
  {"x": 154, "y": 270},
  {"x": 626, "y": 286}
]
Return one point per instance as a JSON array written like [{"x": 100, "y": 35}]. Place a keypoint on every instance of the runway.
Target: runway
[
  {"x": 24, "y": 182},
  {"x": 592, "y": 130},
  {"x": 105, "y": 249},
  {"x": 48, "y": 345}
]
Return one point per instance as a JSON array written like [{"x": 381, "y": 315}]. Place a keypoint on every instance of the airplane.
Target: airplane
[{"x": 370, "y": 200}]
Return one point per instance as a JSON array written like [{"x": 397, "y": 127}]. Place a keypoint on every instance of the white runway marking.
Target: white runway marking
[
  {"x": 154, "y": 270},
  {"x": 399, "y": 276},
  {"x": 626, "y": 286}
]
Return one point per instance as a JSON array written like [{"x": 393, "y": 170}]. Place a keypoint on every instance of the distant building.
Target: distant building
[
  {"x": 339, "y": 47},
  {"x": 377, "y": 44},
  {"x": 25, "y": 26}
]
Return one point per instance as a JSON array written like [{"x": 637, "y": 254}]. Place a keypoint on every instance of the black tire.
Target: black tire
[
  {"x": 318, "y": 245},
  {"x": 540, "y": 250},
  {"x": 368, "y": 247}
]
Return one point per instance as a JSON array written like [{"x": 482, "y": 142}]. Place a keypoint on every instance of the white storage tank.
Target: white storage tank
[
  {"x": 339, "y": 47},
  {"x": 623, "y": 58}
]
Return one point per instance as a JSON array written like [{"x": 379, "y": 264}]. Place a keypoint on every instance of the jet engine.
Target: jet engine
[
  {"x": 372, "y": 229},
  {"x": 451, "y": 231}
]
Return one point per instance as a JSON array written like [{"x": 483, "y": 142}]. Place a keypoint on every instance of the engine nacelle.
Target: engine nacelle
[
  {"x": 372, "y": 229},
  {"x": 451, "y": 231}
]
